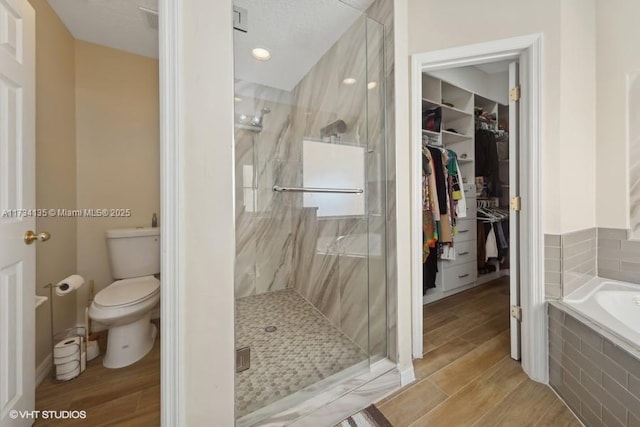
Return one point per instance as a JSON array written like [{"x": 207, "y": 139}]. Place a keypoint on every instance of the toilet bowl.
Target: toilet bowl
[{"x": 125, "y": 307}]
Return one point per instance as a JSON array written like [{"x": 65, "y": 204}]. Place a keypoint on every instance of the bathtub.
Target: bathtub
[{"x": 612, "y": 304}]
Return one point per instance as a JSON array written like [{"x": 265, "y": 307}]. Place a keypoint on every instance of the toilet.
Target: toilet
[{"x": 125, "y": 305}]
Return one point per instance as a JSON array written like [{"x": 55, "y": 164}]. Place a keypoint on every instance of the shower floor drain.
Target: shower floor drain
[{"x": 270, "y": 329}]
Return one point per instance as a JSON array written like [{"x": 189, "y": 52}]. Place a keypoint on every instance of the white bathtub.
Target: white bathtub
[{"x": 612, "y": 304}]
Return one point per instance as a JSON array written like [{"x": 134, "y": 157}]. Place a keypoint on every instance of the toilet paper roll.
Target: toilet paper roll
[
  {"x": 70, "y": 375},
  {"x": 67, "y": 347},
  {"x": 69, "y": 284},
  {"x": 93, "y": 350},
  {"x": 62, "y": 360},
  {"x": 65, "y": 368}
]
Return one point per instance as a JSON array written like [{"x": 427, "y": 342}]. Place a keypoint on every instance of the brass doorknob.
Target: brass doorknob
[{"x": 30, "y": 237}]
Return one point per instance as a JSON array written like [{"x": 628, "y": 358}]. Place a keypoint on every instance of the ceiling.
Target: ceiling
[
  {"x": 118, "y": 24},
  {"x": 296, "y": 32},
  {"x": 494, "y": 67}
]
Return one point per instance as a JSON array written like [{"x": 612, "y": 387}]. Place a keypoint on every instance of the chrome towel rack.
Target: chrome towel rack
[{"x": 279, "y": 189}]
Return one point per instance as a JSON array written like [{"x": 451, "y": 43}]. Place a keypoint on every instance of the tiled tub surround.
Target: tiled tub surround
[
  {"x": 570, "y": 261},
  {"x": 612, "y": 304},
  {"x": 595, "y": 372},
  {"x": 304, "y": 349},
  {"x": 574, "y": 258},
  {"x": 618, "y": 257}
]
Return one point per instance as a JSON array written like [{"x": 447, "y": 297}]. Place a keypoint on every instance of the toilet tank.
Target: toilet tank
[{"x": 134, "y": 252}]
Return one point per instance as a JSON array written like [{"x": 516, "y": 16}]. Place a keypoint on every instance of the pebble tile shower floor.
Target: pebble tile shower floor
[{"x": 304, "y": 349}]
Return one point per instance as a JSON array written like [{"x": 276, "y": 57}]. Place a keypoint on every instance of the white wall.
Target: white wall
[
  {"x": 118, "y": 148},
  {"x": 577, "y": 151},
  {"x": 56, "y": 169},
  {"x": 207, "y": 241},
  {"x": 617, "y": 54},
  {"x": 403, "y": 181},
  {"x": 437, "y": 25}
]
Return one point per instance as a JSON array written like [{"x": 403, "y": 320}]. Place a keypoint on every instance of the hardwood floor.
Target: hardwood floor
[
  {"x": 466, "y": 377},
  {"x": 111, "y": 397}
]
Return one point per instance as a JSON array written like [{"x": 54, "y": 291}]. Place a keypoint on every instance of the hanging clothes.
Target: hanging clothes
[
  {"x": 487, "y": 164},
  {"x": 429, "y": 271},
  {"x": 445, "y": 231},
  {"x": 458, "y": 187},
  {"x": 442, "y": 203},
  {"x": 429, "y": 235}
]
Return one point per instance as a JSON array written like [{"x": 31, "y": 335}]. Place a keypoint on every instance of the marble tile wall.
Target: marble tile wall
[
  {"x": 277, "y": 239},
  {"x": 347, "y": 287},
  {"x": 264, "y": 245}
]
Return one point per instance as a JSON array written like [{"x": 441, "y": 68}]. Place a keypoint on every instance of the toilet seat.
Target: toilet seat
[{"x": 126, "y": 292}]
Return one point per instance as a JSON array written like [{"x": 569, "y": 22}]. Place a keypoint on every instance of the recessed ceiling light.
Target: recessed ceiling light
[
  {"x": 372, "y": 85},
  {"x": 261, "y": 54},
  {"x": 349, "y": 81},
  {"x": 237, "y": 99}
]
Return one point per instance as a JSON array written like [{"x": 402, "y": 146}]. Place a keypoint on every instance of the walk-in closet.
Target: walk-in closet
[{"x": 466, "y": 178}]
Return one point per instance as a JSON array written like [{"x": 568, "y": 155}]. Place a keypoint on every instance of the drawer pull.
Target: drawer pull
[
  {"x": 463, "y": 253},
  {"x": 463, "y": 276},
  {"x": 463, "y": 231}
]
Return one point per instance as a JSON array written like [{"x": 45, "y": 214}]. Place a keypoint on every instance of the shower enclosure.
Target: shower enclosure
[{"x": 310, "y": 153}]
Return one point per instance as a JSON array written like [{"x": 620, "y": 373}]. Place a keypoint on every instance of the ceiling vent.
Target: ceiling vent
[{"x": 151, "y": 15}]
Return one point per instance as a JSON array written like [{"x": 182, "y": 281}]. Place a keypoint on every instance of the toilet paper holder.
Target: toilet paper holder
[{"x": 79, "y": 332}]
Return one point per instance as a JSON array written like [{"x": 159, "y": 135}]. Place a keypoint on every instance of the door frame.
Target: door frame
[
  {"x": 534, "y": 321},
  {"x": 171, "y": 202}
]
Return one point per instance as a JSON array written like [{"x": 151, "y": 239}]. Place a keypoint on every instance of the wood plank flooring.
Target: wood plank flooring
[
  {"x": 111, "y": 397},
  {"x": 466, "y": 377}
]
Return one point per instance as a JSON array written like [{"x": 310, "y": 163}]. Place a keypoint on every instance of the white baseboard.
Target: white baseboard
[
  {"x": 407, "y": 376},
  {"x": 43, "y": 369}
]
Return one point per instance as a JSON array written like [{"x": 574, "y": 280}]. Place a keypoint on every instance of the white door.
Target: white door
[
  {"x": 514, "y": 217},
  {"x": 17, "y": 191}
]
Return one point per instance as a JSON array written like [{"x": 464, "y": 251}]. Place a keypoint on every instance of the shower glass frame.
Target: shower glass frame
[{"x": 282, "y": 242}]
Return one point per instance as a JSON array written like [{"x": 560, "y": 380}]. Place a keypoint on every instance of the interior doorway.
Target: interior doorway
[
  {"x": 469, "y": 104},
  {"x": 467, "y": 119}
]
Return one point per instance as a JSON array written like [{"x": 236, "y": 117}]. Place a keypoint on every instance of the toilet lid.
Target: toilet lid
[{"x": 127, "y": 291}]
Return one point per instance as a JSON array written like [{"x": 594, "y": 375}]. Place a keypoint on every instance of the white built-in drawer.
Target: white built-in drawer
[
  {"x": 459, "y": 275},
  {"x": 466, "y": 230},
  {"x": 469, "y": 190},
  {"x": 465, "y": 252},
  {"x": 471, "y": 207}
]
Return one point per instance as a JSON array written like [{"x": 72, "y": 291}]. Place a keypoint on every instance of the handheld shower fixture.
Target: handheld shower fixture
[
  {"x": 257, "y": 119},
  {"x": 254, "y": 123}
]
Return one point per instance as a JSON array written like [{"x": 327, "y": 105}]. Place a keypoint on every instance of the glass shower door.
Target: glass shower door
[{"x": 310, "y": 201}]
